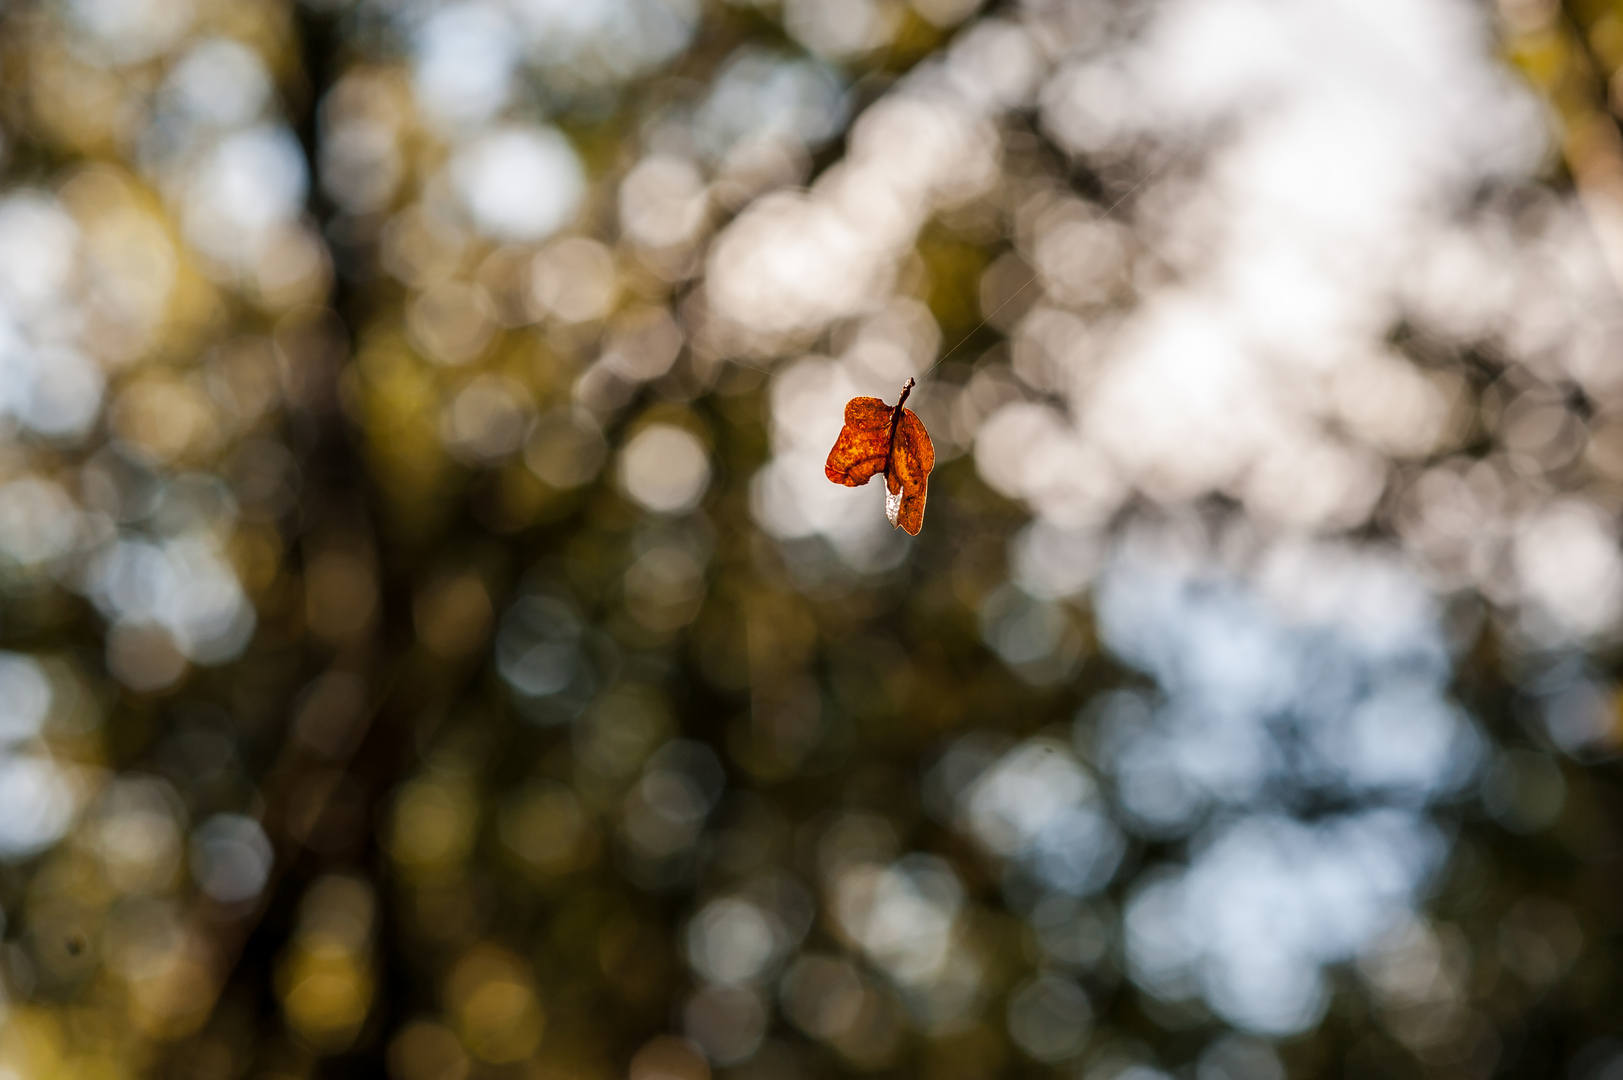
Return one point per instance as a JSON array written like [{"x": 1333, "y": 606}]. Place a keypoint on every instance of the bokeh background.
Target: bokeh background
[{"x": 429, "y": 647}]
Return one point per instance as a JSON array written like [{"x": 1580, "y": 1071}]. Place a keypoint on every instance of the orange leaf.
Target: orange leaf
[{"x": 879, "y": 438}]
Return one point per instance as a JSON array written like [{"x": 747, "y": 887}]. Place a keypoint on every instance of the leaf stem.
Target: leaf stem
[{"x": 896, "y": 422}]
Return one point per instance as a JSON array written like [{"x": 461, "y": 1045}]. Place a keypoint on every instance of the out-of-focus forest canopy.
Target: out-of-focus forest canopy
[{"x": 430, "y": 648}]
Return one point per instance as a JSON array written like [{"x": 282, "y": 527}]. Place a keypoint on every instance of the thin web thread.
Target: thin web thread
[{"x": 1111, "y": 209}]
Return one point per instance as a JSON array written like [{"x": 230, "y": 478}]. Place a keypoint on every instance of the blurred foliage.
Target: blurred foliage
[{"x": 406, "y": 673}]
